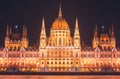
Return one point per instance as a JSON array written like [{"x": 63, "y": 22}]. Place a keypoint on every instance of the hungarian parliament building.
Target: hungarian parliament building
[{"x": 59, "y": 52}]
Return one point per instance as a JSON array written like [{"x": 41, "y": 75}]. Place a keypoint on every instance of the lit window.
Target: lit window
[
  {"x": 42, "y": 62},
  {"x": 76, "y": 54},
  {"x": 76, "y": 62},
  {"x": 42, "y": 54}
]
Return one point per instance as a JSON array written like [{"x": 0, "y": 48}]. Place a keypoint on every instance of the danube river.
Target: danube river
[{"x": 58, "y": 77}]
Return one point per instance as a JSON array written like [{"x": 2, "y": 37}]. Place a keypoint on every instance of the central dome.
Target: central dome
[{"x": 60, "y": 23}]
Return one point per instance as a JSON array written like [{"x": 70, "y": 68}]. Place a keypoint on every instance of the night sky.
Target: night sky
[{"x": 89, "y": 12}]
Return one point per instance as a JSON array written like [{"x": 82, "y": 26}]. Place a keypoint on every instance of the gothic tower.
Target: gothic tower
[
  {"x": 95, "y": 41},
  {"x": 112, "y": 38},
  {"x": 7, "y": 36},
  {"x": 24, "y": 38},
  {"x": 42, "y": 44},
  {"x": 43, "y": 40},
  {"x": 76, "y": 38},
  {"x": 14, "y": 41}
]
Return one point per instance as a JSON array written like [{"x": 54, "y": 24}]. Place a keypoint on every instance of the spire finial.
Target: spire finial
[
  {"x": 76, "y": 27},
  {"x": 76, "y": 24},
  {"x": 43, "y": 27},
  {"x": 112, "y": 34},
  {"x": 43, "y": 23},
  {"x": 10, "y": 30},
  {"x": 95, "y": 31},
  {"x": 24, "y": 31},
  {"x": 60, "y": 11},
  {"x": 7, "y": 32}
]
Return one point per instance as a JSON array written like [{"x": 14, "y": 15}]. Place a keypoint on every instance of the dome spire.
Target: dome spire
[
  {"x": 76, "y": 24},
  {"x": 60, "y": 12}
]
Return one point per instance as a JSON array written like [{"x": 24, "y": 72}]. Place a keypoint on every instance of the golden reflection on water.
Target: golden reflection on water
[{"x": 57, "y": 77}]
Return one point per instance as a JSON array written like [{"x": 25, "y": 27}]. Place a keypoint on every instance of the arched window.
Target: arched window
[
  {"x": 59, "y": 41},
  {"x": 42, "y": 62},
  {"x": 51, "y": 62},
  {"x": 15, "y": 47},
  {"x": 76, "y": 54},
  {"x": 42, "y": 54},
  {"x": 76, "y": 62},
  {"x": 55, "y": 62}
]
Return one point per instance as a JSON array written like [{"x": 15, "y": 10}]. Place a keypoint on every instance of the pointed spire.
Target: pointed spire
[
  {"x": 76, "y": 27},
  {"x": 7, "y": 32},
  {"x": 76, "y": 24},
  {"x": 95, "y": 31},
  {"x": 24, "y": 31},
  {"x": 43, "y": 23},
  {"x": 77, "y": 43},
  {"x": 10, "y": 30},
  {"x": 112, "y": 31},
  {"x": 43, "y": 33},
  {"x": 60, "y": 12}
]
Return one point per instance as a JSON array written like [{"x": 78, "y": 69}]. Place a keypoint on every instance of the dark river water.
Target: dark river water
[{"x": 58, "y": 77}]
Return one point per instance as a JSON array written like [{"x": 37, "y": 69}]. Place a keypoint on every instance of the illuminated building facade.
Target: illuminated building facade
[
  {"x": 14, "y": 41},
  {"x": 104, "y": 41},
  {"x": 60, "y": 52}
]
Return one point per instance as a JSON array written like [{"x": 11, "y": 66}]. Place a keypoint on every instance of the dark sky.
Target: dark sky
[{"x": 89, "y": 13}]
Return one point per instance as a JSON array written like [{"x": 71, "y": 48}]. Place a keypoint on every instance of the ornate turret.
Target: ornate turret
[
  {"x": 42, "y": 36},
  {"x": 10, "y": 31},
  {"x": 112, "y": 38},
  {"x": 24, "y": 38},
  {"x": 95, "y": 32},
  {"x": 104, "y": 41},
  {"x": 112, "y": 31},
  {"x": 95, "y": 41},
  {"x": 24, "y": 31},
  {"x": 77, "y": 36},
  {"x": 7, "y": 38}
]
